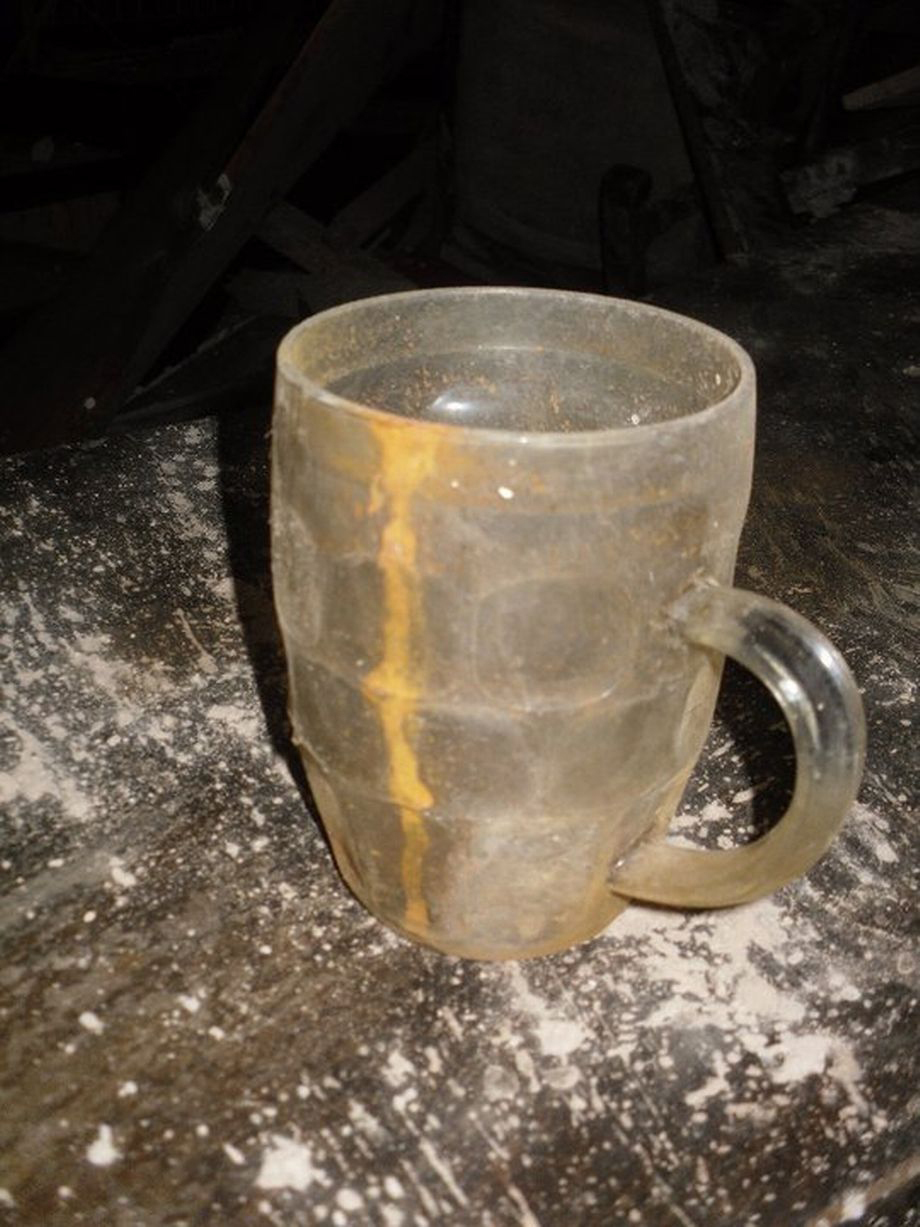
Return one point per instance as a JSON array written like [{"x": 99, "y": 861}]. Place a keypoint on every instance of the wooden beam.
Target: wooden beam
[
  {"x": 726, "y": 230},
  {"x": 337, "y": 272},
  {"x": 75, "y": 363},
  {"x": 301, "y": 238},
  {"x": 900, "y": 90},
  {"x": 221, "y": 373},
  {"x": 820, "y": 187}
]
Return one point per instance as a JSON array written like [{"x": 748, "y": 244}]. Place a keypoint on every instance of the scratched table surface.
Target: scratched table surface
[{"x": 200, "y": 1024}]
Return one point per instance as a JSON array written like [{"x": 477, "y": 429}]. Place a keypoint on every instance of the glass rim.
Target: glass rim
[{"x": 737, "y": 396}]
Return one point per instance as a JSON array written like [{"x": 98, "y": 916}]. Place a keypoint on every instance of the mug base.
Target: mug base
[{"x": 502, "y": 954}]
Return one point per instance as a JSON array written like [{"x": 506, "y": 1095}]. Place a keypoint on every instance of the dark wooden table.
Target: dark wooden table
[{"x": 201, "y": 1026}]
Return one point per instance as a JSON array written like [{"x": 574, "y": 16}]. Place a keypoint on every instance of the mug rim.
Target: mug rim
[{"x": 738, "y": 396}]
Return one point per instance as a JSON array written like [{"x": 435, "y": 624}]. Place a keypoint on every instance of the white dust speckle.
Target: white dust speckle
[
  {"x": 103, "y": 1151},
  {"x": 217, "y": 1033},
  {"x": 64, "y": 1192},
  {"x": 237, "y": 718},
  {"x": 563, "y": 1077},
  {"x": 7, "y": 1198},
  {"x": 452, "y": 1021},
  {"x": 884, "y": 851},
  {"x": 288, "y": 1164},
  {"x": 635, "y": 419},
  {"x": 558, "y": 1036},
  {"x": 526, "y": 1068},
  {"x": 854, "y": 1206},
  {"x": 38, "y": 775},
  {"x": 441, "y": 1168},
  {"x": 206, "y": 662},
  {"x": 499, "y": 1083},
  {"x": 713, "y": 1086},
  {"x": 365, "y": 1121},
  {"x": 234, "y": 1155},
  {"x": 397, "y": 1068},
  {"x": 718, "y": 978},
  {"x": 708, "y": 960},
  {"x": 404, "y": 1098},
  {"x": 393, "y": 1188},
  {"x": 714, "y": 811},
  {"x": 505, "y": 492},
  {"x": 90, "y": 402},
  {"x": 842, "y": 989},
  {"x": 190, "y": 1002},
  {"x": 433, "y": 1057},
  {"x": 232, "y": 849},
  {"x": 348, "y": 1199},
  {"x": 120, "y": 875},
  {"x": 89, "y": 917},
  {"x": 92, "y": 1022},
  {"x": 127, "y": 1088},
  {"x": 759, "y": 1112},
  {"x": 819, "y": 1053},
  {"x": 870, "y": 829}
]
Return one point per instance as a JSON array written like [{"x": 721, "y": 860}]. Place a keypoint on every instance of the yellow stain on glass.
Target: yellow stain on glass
[{"x": 406, "y": 456}]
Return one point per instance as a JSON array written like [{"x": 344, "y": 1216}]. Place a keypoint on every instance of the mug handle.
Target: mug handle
[{"x": 812, "y": 684}]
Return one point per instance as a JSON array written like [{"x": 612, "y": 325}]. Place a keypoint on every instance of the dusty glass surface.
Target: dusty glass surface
[{"x": 503, "y": 525}]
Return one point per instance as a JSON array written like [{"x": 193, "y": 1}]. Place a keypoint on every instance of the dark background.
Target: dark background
[{"x": 618, "y": 148}]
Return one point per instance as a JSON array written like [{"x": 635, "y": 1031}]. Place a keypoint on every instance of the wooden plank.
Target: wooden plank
[
  {"x": 299, "y": 237},
  {"x": 234, "y": 364},
  {"x": 74, "y": 365},
  {"x": 726, "y": 228},
  {"x": 900, "y": 90},
  {"x": 337, "y": 273},
  {"x": 820, "y": 187}
]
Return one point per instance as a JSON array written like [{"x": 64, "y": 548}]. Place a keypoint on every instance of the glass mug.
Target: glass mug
[{"x": 504, "y": 526}]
